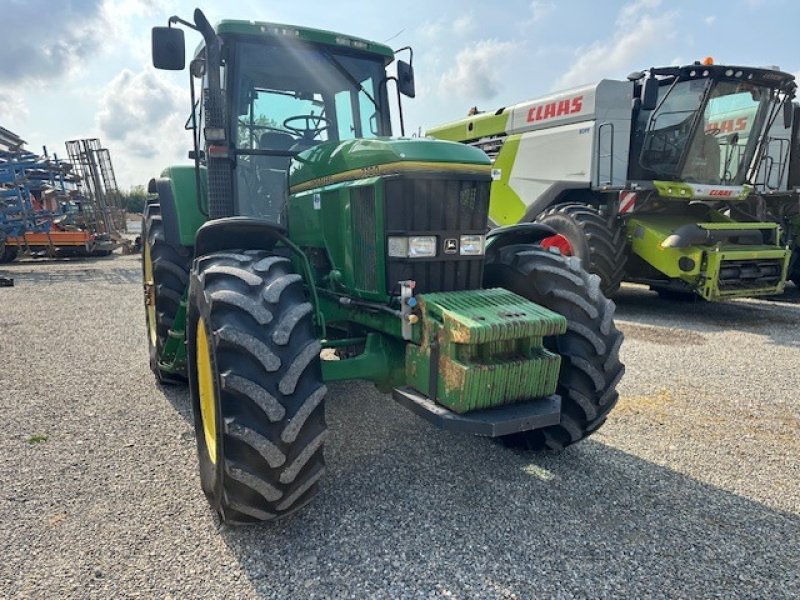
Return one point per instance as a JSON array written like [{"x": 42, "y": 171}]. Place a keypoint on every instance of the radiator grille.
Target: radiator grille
[
  {"x": 362, "y": 202},
  {"x": 749, "y": 274},
  {"x": 440, "y": 206}
]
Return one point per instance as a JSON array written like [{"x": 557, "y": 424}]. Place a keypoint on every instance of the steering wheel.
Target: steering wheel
[{"x": 314, "y": 125}]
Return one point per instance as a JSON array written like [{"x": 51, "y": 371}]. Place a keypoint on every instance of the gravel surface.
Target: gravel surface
[{"x": 691, "y": 490}]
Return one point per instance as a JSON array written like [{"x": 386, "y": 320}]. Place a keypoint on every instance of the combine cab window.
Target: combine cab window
[
  {"x": 728, "y": 119},
  {"x": 702, "y": 135},
  {"x": 290, "y": 98}
]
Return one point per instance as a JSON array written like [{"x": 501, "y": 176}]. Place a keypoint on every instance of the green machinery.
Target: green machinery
[
  {"x": 306, "y": 246},
  {"x": 646, "y": 179},
  {"x": 777, "y": 197}
]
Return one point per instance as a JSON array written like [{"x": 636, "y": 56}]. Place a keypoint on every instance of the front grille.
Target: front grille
[
  {"x": 447, "y": 208},
  {"x": 749, "y": 274},
  {"x": 362, "y": 202}
]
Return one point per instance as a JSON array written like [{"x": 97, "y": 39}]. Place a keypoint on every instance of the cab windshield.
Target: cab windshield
[
  {"x": 700, "y": 131},
  {"x": 290, "y": 97}
]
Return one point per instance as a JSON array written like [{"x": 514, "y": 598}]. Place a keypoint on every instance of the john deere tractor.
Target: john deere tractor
[
  {"x": 646, "y": 179},
  {"x": 303, "y": 232}
]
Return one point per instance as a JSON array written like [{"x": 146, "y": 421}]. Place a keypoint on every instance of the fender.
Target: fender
[
  {"x": 177, "y": 195},
  {"x": 169, "y": 213},
  {"x": 552, "y": 195},
  {"x": 232, "y": 233},
  {"x": 521, "y": 233}
]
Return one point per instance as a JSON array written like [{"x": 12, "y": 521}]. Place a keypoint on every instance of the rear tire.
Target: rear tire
[
  {"x": 589, "y": 350},
  {"x": 599, "y": 245},
  {"x": 258, "y": 399},
  {"x": 165, "y": 271}
]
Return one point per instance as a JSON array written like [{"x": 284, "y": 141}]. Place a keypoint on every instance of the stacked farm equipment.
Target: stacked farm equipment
[{"x": 53, "y": 207}]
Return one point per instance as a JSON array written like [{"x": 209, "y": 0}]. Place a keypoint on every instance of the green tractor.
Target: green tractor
[{"x": 303, "y": 232}]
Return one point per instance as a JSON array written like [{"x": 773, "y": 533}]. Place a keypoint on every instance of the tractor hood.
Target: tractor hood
[{"x": 354, "y": 159}]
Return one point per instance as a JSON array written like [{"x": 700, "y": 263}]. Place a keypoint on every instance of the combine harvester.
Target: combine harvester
[
  {"x": 778, "y": 187},
  {"x": 56, "y": 208},
  {"x": 303, "y": 225},
  {"x": 648, "y": 179}
]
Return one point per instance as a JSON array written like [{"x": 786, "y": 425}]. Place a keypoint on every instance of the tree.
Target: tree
[{"x": 134, "y": 199}]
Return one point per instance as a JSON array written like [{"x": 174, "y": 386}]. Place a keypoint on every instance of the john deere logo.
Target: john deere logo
[{"x": 451, "y": 246}]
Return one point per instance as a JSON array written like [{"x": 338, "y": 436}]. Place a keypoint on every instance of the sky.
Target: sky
[{"x": 81, "y": 68}]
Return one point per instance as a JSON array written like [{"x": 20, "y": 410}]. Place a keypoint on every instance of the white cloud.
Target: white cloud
[
  {"x": 541, "y": 9},
  {"x": 464, "y": 24},
  {"x": 141, "y": 118},
  {"x": 47, "y": 40},
  {"x": 439, "y": 30},
  {"x": 12, "y": 107},
  {"x": 710, "y": 20},
  {"x": 478, "y": 70},
  {"x": 643, "y": 30}
]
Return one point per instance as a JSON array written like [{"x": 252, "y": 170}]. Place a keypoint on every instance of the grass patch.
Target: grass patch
[{"x": 37, "y": 439}]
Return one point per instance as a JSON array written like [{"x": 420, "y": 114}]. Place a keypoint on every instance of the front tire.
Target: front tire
[
  {"x": 255, "y": 381},
  {"x": 589, "y": 350},
  {"x": 600, "y": 245},
  {"x": 165, "y": 272}
]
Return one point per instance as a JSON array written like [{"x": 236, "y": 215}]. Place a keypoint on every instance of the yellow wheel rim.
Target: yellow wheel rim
[
  {"x": 149, "y": 295},
  {"x": 205, "y": 386}
]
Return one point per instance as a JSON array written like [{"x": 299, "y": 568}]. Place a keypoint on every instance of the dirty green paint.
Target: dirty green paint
[{"x": 490, "y": 349}]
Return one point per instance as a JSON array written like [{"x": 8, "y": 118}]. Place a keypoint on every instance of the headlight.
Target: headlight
[
  {"x": 472, "y": 245},
  {"x": 398, "y": 247},
  {"x": 421, "y": 246}
]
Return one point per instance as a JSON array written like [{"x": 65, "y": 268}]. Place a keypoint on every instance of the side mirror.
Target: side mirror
[
  {"x": 649, "y": 95},
  {"x": 788, "y": 112},
  {"x": 169, "y": 48},
  {"x": 405, "y": 79}
]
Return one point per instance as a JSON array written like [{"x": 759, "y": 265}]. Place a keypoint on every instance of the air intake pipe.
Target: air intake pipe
[{"x": 692, "y": 234}]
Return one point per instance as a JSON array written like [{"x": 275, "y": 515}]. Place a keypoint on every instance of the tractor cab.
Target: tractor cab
[
  {"x": 271, "y": 92},
  {"x": 290, "y": 97},
  {"x": 702, "y": 123}
]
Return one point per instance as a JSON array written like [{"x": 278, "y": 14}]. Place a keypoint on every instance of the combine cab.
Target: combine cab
[
  {"x": 644, "y": 179},
  {"x": 303, "y": 226}
]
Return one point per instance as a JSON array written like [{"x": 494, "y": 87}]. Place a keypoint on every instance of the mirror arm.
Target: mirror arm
[
  {"x": 410, "y": 53},
  {"x": 176, "y": 19}
]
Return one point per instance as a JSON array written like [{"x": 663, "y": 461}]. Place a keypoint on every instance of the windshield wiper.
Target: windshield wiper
[{"x": 341, "y": 68}]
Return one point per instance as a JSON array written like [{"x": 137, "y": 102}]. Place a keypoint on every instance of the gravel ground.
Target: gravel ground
[{"x": 692, "y": 489}]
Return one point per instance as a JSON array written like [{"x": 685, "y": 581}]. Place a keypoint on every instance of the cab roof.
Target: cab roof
[{"x": 306, "y": 34}]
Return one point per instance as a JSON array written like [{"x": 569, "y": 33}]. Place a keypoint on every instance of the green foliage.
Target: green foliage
[
  {"x": 261, "y": 124},
  {"x": 133, "y": 201},
  {"x": 37, "y": 439}
]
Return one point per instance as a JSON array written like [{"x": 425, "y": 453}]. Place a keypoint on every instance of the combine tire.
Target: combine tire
[
  {"x": 255, "y": 382},
  {"x": 599, "y": 245},
  {"x": 590, "y": 366},
  {"x": 794, "y": 266},
  {"x": 165, "y": 272}
]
